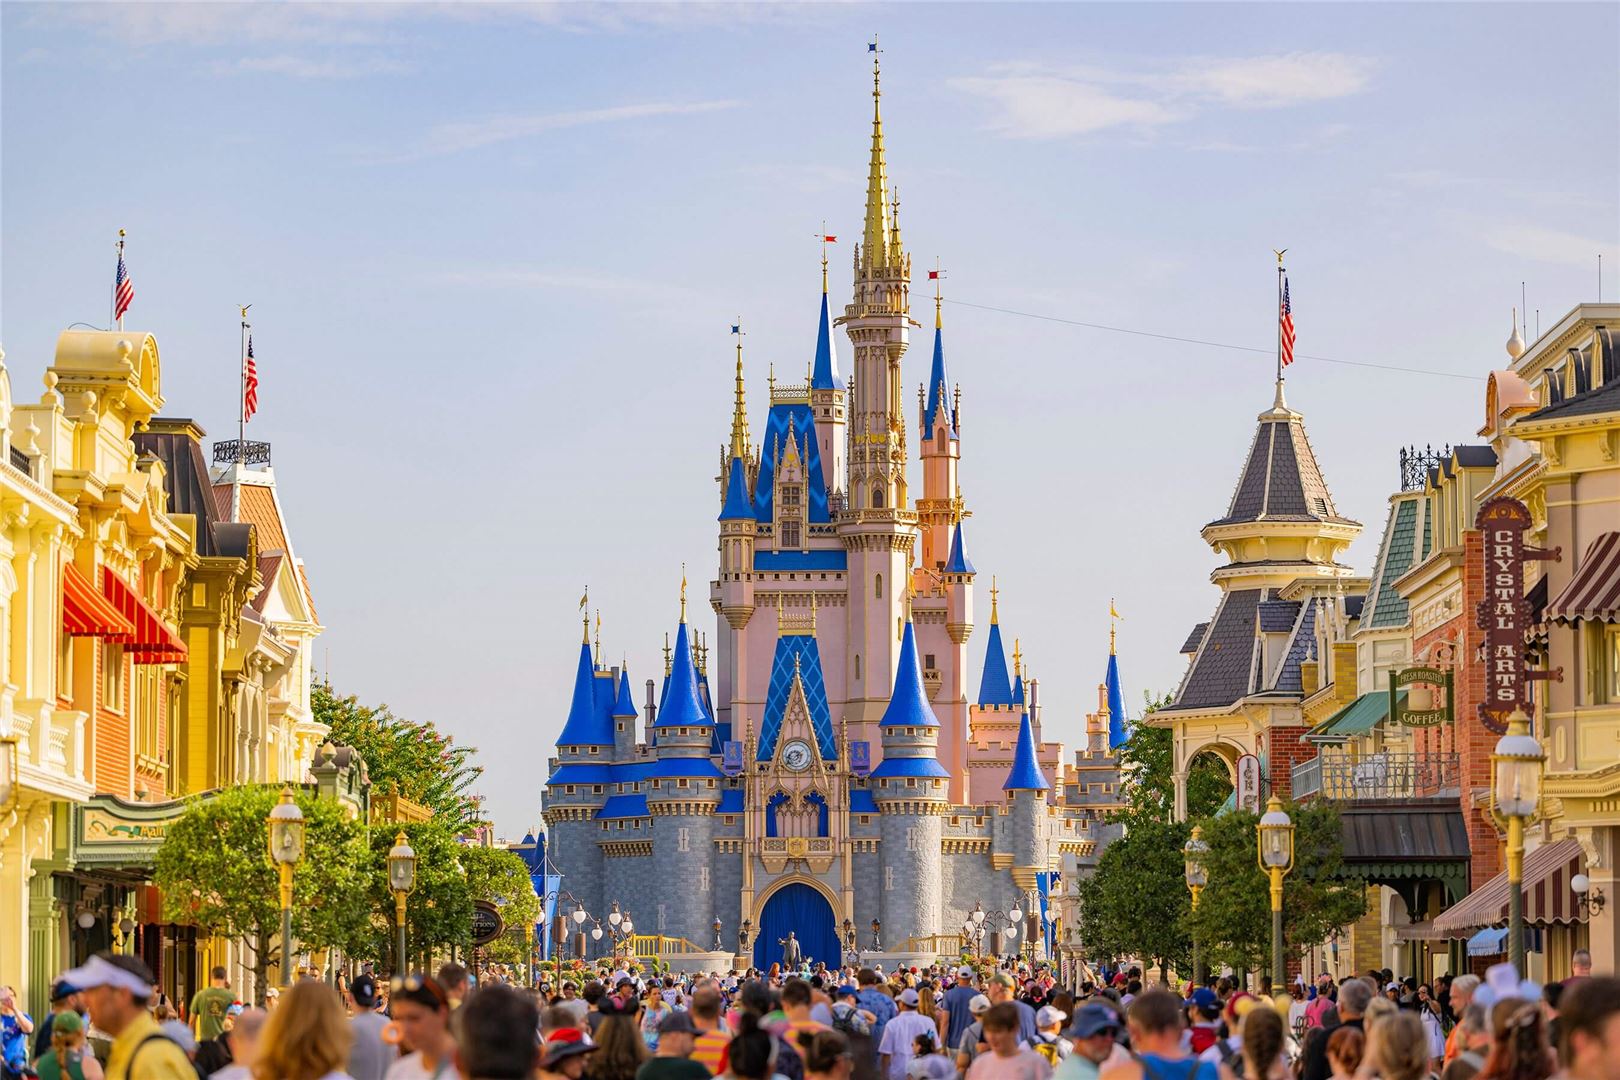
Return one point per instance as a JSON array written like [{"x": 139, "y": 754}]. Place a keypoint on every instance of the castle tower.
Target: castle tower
[
  {"x": 911, "y": 795},
  {"x": 828, "y": 396},
  {"x": 951, "y": 703},
  {"x": 624, "y": 720},
  {"x": 1027, "y": 785},
  {"x": 940, "y": 508},
  {"x": 575, "y": 789},
  {"x": 738, "y": 537},
  {"x": 683, "y": 791},
  {"x": 877, "y": 527}
]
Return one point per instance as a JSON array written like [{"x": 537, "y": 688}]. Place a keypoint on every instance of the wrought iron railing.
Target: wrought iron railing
[
  {"x": 251, "y": 452},
  {"x": 1415, "y": 465},
  {"x": 1342, "y": 777}
]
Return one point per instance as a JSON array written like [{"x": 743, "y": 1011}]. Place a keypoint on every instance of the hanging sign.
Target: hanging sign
[
  {"x": 860, "y": 758},
  {"x": 487, "y": 924},
  {"x": 731, "y": 758},
  {"x": 1420, "y": 717},
  {"x": 1504, "y": 613},
  {"x": 1248, "y": 784}
]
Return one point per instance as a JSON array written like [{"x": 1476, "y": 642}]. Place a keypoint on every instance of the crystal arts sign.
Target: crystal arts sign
[{"x": 1504, "y": 613}]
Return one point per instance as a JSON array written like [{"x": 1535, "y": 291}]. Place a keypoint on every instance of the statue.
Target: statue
[
  {"x": 792, "y": 954},
  {"x": 742, "y": 935}
]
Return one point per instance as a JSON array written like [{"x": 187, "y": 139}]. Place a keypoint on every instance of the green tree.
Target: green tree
[
  {"x": 502, "y": 878},
  {"x": 1136, "y": 902},
  {"x": 1233, "y": 920},
  {"x": 1147, "y": 769},
  {"x": 214, "y": 871},
  {"x": 438, "y": 911},
  {"x": 423, "y": 763}
]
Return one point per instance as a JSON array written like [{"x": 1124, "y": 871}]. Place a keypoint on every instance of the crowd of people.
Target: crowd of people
[{"x": 110, "y": 1022}]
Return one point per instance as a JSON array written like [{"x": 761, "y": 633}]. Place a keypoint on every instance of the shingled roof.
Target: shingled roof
[
  {"x": 1229, "y": 663},
  {"x": 1281, "y": 480},
  {"x": 1606, "y": 398}
]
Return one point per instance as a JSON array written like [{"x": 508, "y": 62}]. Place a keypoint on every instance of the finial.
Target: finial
[
  {"x": 599, "y": 636},
  {"x": 669, "y": 664},
  {"x": 770, "y": 377},
  {"x": 812, "y": 613},
  {"x": 937, "y": 276},
  {"x": 683, "y": 593},
  {"x": 739, "y": 408},
  {"x": 1113, "y": 614},
  {"x": 995, "y": 616},
  {"x": 877, "y": 89},
  {"x": 779, "y": 619},
  {"x": 1279, "y": 254},
  {"x": 826, "y": 238},
  {"x": 1515, "y": 341},
  {"x": 1018, "y": 658}
]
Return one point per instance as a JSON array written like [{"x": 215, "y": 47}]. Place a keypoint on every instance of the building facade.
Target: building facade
[{"x": 837, "y": 775}]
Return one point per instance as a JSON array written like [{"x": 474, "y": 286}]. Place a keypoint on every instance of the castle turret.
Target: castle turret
[
  {"x": 956, "y": 579},
  {"x": 738, "y": 539},
  {"x": 911, "y": 796},
  {"x": 940, "y": 508},
  {"x": 828, "y": 396},
  {"x": 1117, "y": 733},
  {"x": 624, "y": 720},
  {"x": 1027, "y": 786},
  {"x": 577, "y": 787}
]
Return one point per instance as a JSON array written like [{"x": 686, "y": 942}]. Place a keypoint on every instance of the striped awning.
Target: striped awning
[
  {"x": 152, "y": 642},
  {"x": 1547, "y": 896},
  {"x": 1593, "y": 593},
  {"x": 87, "y": 613}
]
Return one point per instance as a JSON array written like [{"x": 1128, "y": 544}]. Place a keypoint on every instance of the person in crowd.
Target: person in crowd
[
  {"x": 827, "y": 1055},
  {"x": 654, "y": 1007},
  {"x": 1580, "y": 967},
  {"x": 753, "y": 1052},
  {"x": 68, "y": 1057},
  {"x": 709, "y": 1048},
  {"x": 241, "y": 1043},
  {"x": 566, "y": 1055},
  {"x": 305, "y": 1038},
  {"x": 1094, "y": 1036},
  {"x": 1154, "y": 1022},
  {"x": 1344, "y": 1052},
  {"x": 872, "y": 998},
  {"x": 899, "y": 1035},
  {"x": 927, "y": 1061},
  {"x": 118, "y": 991},
  {"x": 954, "y": 1014},
  {"x": 1459, "y": 996},
  {"x": 1009, "y": 1056},
  {"x": 673, "y": 1057},
  {"x": 618, "y": 1036},
  {"x": 1589, "y": 1046},
  {"x": 370, "y": 1053},
  {"x": 1204, "y": 1012},
  {"x": 1519, "y": 1047},
  {"x": 1429, "y": 1013},
  {"x": 1354, "y": 996},
  {"x": 1049, "y": 1041},
  {"x": 1264, "y": 1032},
  {"x": 15, "y": 1028},
  {"x": 594, "y": 993},
  {"x": 494, "y": 1029},
  {"x": 1399, "y": 1047},
  {"x": 452, "y": 979},
  {"x": 1472, "y": 1041},
  {"x": 1000, "y": 991},
  {"x": 210, "y": 1004},
  {"x": 64, "y": 998},
  {"x": 422, "y": 1010},
  {"x": 972, "y": 1044}
]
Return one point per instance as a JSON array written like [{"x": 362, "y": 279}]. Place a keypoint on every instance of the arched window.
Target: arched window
[
  {"x": 877, "y": 586},
  {"x": 857, "y": 667},
  {"x": 776, "y": 800},
  {"x": 877, "y": 498},
  {"x": 815, "y": 800}
]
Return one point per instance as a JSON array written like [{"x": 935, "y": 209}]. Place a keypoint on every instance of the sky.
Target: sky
[{"x": 494, "y": 253}]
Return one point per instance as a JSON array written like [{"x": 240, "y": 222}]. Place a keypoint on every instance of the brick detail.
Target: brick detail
[{"x": 1284, "y": 749}]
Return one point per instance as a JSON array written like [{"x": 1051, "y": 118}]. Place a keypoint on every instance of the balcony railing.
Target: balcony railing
[{"x": 1339, "y": 776}]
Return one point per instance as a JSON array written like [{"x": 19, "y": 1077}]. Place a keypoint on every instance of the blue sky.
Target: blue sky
[{"x": 494, "y": 253}]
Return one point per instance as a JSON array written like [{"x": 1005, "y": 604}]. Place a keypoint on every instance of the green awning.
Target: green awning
[{"x": 1357, "y": 718}]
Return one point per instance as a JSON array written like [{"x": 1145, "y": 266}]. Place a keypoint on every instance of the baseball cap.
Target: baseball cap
[
  {"x": 363, "y": 988},
  {"x": 107, "y": 969},
  {"x": 565, "y": 1042},
  {"x": 1093, "y": 1018},
  {"x": 67, "y": 1023},
  {"x": 61, "y": 989},
  {"x": 847, "y": 990},
  {"x": 1206, "y": 1002},
  {"x": 1048, "y": 1015},
  {"x": 964, "y": 972},
  {"x": 676, "y": 1021},
  {"x": 979, "y": 1004},
  {"x": 909, "y": 996}
]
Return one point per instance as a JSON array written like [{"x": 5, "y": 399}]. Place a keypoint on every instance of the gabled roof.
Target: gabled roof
[
  {"x": 172, "y": 442},
  {"x": 1399, "y": 552},
  {"x": 682, "y": 707},
  {"x": 824, "y": 375},
  {"x": 584, "y": 726},
  {"x": 995, "y": 688},
  {"x": 908, "y": 706},
  {"x": 1117, "y": 720},
  {"x": 958, "y": 562},
  {"x": 938, "y": 391},
  {"x": 625, "y": 707},
  {"x": 1219, "y": 674},
  {"x": 801, "y": 419},
  {"x": 1281, "y": 480},
  {"x": 1194, "y": 639},
  {"x": 796, "y": 653},
  {"x": 1277, "y": 616},
  {"x": 1025, "y": 774},
  {"x": 738, "y": 506}
]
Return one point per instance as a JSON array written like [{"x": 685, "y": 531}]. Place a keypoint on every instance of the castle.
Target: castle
[{"x": 835, "y": 779}]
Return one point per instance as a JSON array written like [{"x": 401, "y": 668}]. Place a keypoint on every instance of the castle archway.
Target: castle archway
[{"x": 805, "y": 909}]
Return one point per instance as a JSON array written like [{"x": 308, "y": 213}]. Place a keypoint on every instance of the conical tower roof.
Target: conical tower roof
[
  {"x": 682, "y": 706},
  {"x": 1025, "y": 774},
  {"x": 908, "y": 707},
  {"x": 1280, "y": 480},
  {"x": 586, "y": 724}
]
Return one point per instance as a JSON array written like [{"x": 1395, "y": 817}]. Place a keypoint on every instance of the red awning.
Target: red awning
[
  {"x": 1548, "y": 897},
  {"x": 152, "y": 642},
  {"x": 1593, "y": 593},
  {"x": 86, "y": 613}
]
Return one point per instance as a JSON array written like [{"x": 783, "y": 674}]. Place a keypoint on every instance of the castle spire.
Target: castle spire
[
  {"x": 1025, "y": 774},
  {"x": 739, "y": 408},
  {"x": 876, "y": 235}
]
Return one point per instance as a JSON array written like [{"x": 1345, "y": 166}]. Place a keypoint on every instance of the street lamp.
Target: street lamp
[
  {"x": 1276, "y": 840},
  {"x": 401, "y": 879},
  {"x": 286, "y": 824},
  {"x": 1517, "y": 761},
  {"x": 1193, "y": 854}
]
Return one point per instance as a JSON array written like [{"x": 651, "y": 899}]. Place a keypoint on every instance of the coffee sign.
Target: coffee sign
[
  {"x": 1504, "y": 613},
  {"x": 1401, "y": 714}
]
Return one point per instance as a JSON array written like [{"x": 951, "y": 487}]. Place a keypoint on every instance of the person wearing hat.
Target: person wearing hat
[
  {"x": 370, "y": 1054},
  {"x": 116, "y": 988},
  {"x": 421, "y": 1010},
  {"x": 895, "y": 1045},
  {"x": 1049, "y": 1041},
  {"x": 673, "y": 1059},
  {"x": 1204, "y": 1013},
  {"x": 64, "y": 998},
  {"x": 563, "y": 1056},
  {"x": 1001, "y": 990},
  {"x": 954, "y": 1012},
  {"x": 67, "y": 1057},
  {"x": 1094, "y": 1034},
  {"x": 972, "y": 1042}
]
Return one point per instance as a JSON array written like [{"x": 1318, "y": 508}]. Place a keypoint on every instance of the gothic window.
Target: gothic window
[
  {"x": 771, "y": 807},
  {"x": 790, "y": 535},
  {"x": 877, "y": 587},
  {"x": 815, "y": 800},
  {"x": 791, "y": 496},
  {"x": 877, "y": 497}
]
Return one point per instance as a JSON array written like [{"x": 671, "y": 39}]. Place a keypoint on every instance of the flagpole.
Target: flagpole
[
  {"x": 1280, "y": 273},
  {"x": 117, "y": 318},
  {"x": 241, "y": 395}
]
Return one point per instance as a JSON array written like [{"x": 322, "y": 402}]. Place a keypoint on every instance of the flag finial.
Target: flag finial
[
  {"x": 683, "y": 592},
  {"x": 937, "y": 276},
  {"x": 1113, "y": 617},
  {"x": 739, "y": 408},
  {"x": 995, "y": 616}
]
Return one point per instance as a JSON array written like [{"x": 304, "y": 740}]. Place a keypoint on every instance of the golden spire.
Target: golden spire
[
  {"x": 739, "y": 408},
  {"x": 939, "y": 280},
  {"x": 683, "y": 593},
  {"x": 669, "y": 664},
  {"x": 995, "y": 616},
  {"x": 1113, "y": 615},
  {"x": 825, "y": 240},
  {"x": 598, "y": 636},
  {"x": 812, "y": 613},
  {"x": 876, "y": 234},
  {"x": 1018, "y": 658}
]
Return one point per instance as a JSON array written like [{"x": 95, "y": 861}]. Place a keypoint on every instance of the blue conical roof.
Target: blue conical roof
[
  {"x": 682, "y": 707},
  {"x": 825, "y": 374},
  {"x": 1117, "y": 733},
  {"x": 1018, "y": 689},
  {"x": 938, "y": 390},
  {"x": 738, "y": 505},
  {"x": 584, "y": 726},
  {"x": 1025, "y": 774},
  {"x": 958, "y": 562},
  {"x": 908, "y": 707},
  {"x": 994, "y": 686},
  {"x": 625, "y": 706}
]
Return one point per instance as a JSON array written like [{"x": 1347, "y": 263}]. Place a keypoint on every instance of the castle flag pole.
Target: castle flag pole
[{"x": 1280, "y": 272}]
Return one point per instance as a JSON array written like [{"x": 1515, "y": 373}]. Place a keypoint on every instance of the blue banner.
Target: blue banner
[
  {"x": 860, "y": 758},
  {"x": 731, "y": 758}
]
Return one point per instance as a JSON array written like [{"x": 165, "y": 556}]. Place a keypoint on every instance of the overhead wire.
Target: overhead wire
[{"x": 1210, "y": 344}]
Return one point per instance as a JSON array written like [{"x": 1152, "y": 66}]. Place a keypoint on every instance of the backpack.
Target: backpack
[
  {"x": 158, "y": 1036},
  {"x": 1047, "y": 1047},
  {"x": 848, "y": 1020}
]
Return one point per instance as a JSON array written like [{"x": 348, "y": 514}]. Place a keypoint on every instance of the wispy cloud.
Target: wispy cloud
[
  {"x": 1033, "y": 102},
  {"x": 304, "y": 67},
  {"x": 807, "y": 178},
  {"x": 463, "y": 135},
  {"x": 1547, "y": 245}
]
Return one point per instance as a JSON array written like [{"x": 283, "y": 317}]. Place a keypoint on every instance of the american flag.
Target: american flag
[
  {"x": 123, "y": 290},
  {"x": 250, "y": 384},
  {"x": 1286, "y": 323}
]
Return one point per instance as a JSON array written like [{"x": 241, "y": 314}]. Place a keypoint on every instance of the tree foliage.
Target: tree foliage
[
  {"x": 214, "y": 871},
  {"x": 1136, "y": 902},
  {"x": 423, "y": 763},
  {"x": 438, "y": 911},
  {"x": 502, "y": 878},
  {"x": 1147, "y": 769},
  {"x": 1233, "y": 920}
]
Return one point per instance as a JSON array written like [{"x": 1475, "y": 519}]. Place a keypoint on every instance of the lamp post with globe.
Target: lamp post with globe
[
  {"x": 1517, "y": 761},
  {"x": 1275, "y": 837},
  {"x": 286, "y": 829}
]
